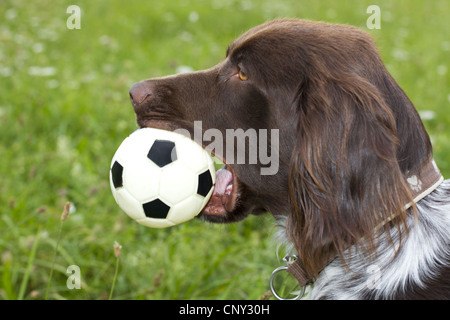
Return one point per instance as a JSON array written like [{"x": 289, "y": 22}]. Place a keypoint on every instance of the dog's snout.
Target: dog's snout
[{"x": 140, "y": 93}]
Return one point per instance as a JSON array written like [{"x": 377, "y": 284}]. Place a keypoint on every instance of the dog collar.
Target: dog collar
[
  {"x": 421, "y": 184},
  {"x": 427, "y": 181}
]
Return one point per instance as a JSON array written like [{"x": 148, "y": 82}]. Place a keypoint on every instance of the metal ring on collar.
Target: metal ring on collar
[{"x": 274, "y": 292}]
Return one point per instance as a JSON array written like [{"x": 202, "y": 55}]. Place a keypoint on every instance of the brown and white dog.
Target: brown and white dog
[{"x": 350, "y": 142}]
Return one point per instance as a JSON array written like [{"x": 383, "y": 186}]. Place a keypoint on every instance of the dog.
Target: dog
[{"x": 350, "y": 193}]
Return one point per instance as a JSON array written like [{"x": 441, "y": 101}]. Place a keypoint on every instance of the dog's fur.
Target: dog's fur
[{"x": 349, "y": 136}]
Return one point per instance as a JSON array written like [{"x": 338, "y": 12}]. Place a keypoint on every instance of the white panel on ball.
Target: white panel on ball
[
  {"x": 156, "y": 223},
  {"x": 177, "y": 182},
  {"x": 181, "y": 212},
  {"x": 141, "y": 183},
  {"x": 129, "y": 204},
  {"x": 197, "y": 161}
]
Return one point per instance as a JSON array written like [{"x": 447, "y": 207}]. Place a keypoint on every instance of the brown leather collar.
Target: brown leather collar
[{"x": 421, "y": 185}]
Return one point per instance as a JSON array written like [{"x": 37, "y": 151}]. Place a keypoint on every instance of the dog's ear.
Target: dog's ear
[{"x": 345, "y": 179}]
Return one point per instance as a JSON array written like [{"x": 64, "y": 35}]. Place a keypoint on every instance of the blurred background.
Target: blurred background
[{"x": 64, "y": 110}]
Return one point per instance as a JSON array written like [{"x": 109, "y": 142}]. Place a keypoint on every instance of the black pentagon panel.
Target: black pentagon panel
[
  {"x": 205, "y": 183},
  {"x": 162, "y": 152},
  {"x": 156, "y": 209},
  {"x": 116, "y": 173}
]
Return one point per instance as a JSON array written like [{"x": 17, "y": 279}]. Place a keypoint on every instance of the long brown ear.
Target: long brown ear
[{"x": 344, "y": 176}]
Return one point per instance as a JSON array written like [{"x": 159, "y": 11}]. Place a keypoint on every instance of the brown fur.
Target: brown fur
[{"x": 348, "y": 132}]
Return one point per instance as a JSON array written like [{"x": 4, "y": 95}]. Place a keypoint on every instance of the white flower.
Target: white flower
[
  {"x": 193, "y": 16},
  {"x": 41, "y": 71},
  {"x": 427, "y": 114},
  {"x": 184, "y": 69}
]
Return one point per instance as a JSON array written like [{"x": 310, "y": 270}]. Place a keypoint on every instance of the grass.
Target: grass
[
  {"x": 117, "y": 249},
  {"x": 64, "y": 109},
  {"x": 64, "y": 216},
  {"x": 28, "y": 270}
]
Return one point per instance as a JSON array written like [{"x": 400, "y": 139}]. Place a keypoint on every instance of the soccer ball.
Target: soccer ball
[{"x": 161, "y": 178}]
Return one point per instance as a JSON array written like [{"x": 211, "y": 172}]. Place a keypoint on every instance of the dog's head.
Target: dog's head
[{"x": 309, "y": 124}]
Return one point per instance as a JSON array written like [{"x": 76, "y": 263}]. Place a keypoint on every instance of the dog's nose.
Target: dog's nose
[{"x": 140, "y": 92}]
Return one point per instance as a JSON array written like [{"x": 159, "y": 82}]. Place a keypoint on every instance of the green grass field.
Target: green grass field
[{"x": 64, "y": 109}]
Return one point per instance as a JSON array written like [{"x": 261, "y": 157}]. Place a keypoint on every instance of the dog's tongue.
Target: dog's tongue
[{"x": 221, "y": 193}]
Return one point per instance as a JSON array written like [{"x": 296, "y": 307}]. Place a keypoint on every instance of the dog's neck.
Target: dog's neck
[{"x": 421, "y": 184}]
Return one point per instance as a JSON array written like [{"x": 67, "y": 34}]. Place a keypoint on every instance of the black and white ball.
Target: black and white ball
[{"x": 161, "y": 178}]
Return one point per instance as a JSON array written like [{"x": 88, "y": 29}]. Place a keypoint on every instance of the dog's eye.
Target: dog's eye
[{"x": 243, "y": 76}]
